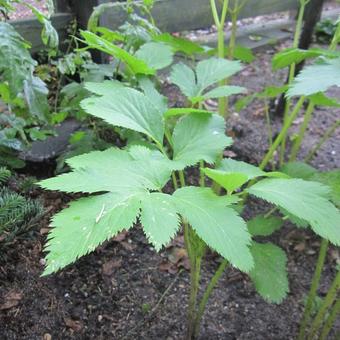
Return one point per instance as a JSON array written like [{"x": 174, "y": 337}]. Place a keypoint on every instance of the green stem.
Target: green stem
[
  {"x": 303, "y": 129},
  {"x": 313, "y": 289},
  {"x": 330, "y": 321},
  {"x": 219, "y": 22},
  {"x": 325, "y": 137},
  {"x": 327, "y": 303},
  {"x": 212, "y": 284},
  {"x": 298, "y": 30},
  {"x": 195, "y": 278},
  {"x": 281, "y": 136}
]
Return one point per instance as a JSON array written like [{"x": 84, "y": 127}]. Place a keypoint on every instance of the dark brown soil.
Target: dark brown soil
[{"x": 124, "y": 290}]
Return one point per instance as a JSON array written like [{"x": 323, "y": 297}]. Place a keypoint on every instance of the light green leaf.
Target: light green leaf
[
  {"x": 264, "y": 226},
  {"x": 269, "y": 273},
  {"x": 296, "y": 55},
  {"x": 306, "y": 200},
  {"x": 231, "y": 166},
  {"x": 155, "y": 54},
  {"x": 322, "y": 100},
  {"x": 315, "y": 78},
  {"x": 229, "y": 181},
  {"x": 218, "y": 226},
  {"x": 179, "y": 44},
  {"x": 114, "y": 170},
  {"x": 159, "y": 219},
  {"x": 208, "y": 72},
  {"x": 199, "y": 137},
  {"x": 136, "y": 65},
  {"x": 105, "y": 88},
  {"x": 88, "y": 222},
  {"x": 224, "y": 91},
  {"x": 184, "y": 77},
  {"x": 130, "y": 109}
]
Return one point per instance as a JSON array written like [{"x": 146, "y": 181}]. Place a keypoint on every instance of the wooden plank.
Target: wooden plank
[
  {"x": 30, "y": 29},
  {"x": 180, "y": 15}
]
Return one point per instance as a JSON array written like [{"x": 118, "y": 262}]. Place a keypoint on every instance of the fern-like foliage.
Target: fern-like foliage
[
  {"x": 17, "y": 214},
  {"x": 5, "y": 174}
]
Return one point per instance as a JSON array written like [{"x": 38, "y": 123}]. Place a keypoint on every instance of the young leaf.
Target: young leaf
[
  {"x": 229, "y": 181},
  {"x": 184, "y": 77},
  {"x": 155, "y": 55},
  {"x": 159, "y": 219},
  {"x": 208, "y": 72},
  {"x": 322, "y": 100},
  {"x": 217, "y": 225},
  {"x": 199, "y": 137},
  {"x": 179, "y": 111},
  {"x": 269, "y": 274},
  {"x": 179, "y": 44},
  {"x": 130, "y": 109},
  {"x": 315, "y": 78},
  {"x": 306, "y": 200},
  {"x": 231, "y": 166},
  {"x": 264, "y": 226},
  {"x": 136, "y": 65},
  {"x": 88, "y": 222},
  {"x": 296, "y": 55}
]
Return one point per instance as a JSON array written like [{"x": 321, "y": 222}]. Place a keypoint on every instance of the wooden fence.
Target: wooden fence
[{"x": 170, "y": 15}]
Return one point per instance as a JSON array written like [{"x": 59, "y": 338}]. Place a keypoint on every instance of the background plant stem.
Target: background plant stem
[
  {"x": 327, "y": 303},
  {"x": 297, "y": 144},
  {"x": 330, "y": 320},
  {"x": 313, "y": 290}
]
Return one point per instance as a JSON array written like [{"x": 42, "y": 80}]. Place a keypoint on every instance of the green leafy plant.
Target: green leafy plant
[
  {"x": 17, "y": 215},
  {"x": 136, "y": 187}
]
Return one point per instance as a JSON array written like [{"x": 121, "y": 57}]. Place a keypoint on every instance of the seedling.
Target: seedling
[{"x": 128, "y": 186}]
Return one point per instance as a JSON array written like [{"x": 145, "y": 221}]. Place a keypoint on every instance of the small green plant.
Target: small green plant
[
  {"x": 325, "y": 30},
  {"x": 17, "y": 215},
  {"x": 5, "y": 174},
  {"x": 174, "y": 139}
]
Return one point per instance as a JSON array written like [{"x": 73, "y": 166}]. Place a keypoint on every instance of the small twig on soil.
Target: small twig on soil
[{"x": 154, "y": 309}]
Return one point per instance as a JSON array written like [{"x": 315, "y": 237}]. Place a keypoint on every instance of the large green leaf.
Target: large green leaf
[
  {"x": 137, "y": 66},
  {"x": 306, "y": 200},
  {"x": 208, "y": 72},
  {"x": 199, "y": 137},
  {"x": 299, "y": 170},
  {"x": 128, "y": 108},
  {"x": 315, "y": 78},
  {"x": 264, "y": 226},
  {"x": 269, "y": 273},
  {"x": 155, "y": 55},
  {"x": 114, "y": 170},
  {"x": 159, "y": 218},
  {"x": 87, "y": 223},
  {"x": 217, "y": 225}
]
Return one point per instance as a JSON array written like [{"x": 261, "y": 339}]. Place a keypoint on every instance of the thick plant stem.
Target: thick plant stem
[
  {"x": 324, "y": 138},
  {"x": 195, "y": 278},
  {"x": 313, "y": 289},
  {"x": 303, "y": 129},
  {"x": 327, "y": 303},
  {"x": 280, "y": 137},
  {"x": 298, "y": 30},
  {"x": 206, "y": 295},
  {"x": 330, "y": 321}
]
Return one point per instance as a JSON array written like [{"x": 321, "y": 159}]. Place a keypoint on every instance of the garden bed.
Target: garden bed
[{"x": 123, "y": 290}]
